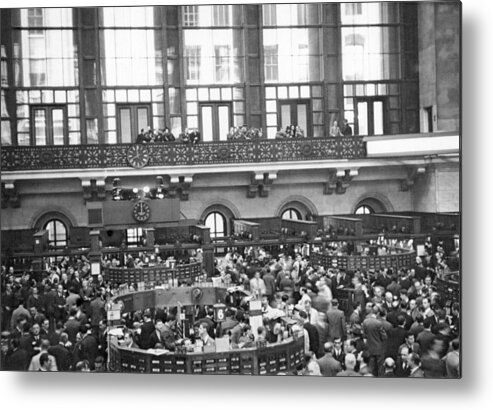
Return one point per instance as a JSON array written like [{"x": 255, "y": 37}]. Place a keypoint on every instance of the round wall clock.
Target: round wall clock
[
  {"x": 138, "y": 156},
  {"x": 141, "y": 211}
]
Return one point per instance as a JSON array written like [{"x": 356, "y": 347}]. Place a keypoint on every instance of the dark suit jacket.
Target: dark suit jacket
[
  {"x": 72, "y": 327},
  {"x": 399, "y": 370},
  {"x": 145, "y": 334},
  {"x": 155, "y": 338},
  {"x": 313, "y": 337},
  {"x": 337, "y": 324},
  {"x": 375, "y": 335},
  {"x": 270, "y": 284},
  {"x": 18, "y": 360},
  {"x": 396, "y": 337},
  {"x": 96, "y": 311},
  {"x": 62, "y": 356}
]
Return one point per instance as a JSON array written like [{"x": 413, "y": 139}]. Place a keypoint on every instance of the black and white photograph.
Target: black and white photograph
[{"x": 268, "y": 189}]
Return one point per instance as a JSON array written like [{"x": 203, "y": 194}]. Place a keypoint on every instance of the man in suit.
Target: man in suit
[
  {"x": 87, "y": 348},
  {"x": 72, "y": 326},
  {"x": 409, "y": 342},
  {"x": 336, "y": 322},
  {"x": 396, "y": 338},
  {"x": 376, "y": 339},
  {"x": 401, "y": 365},
  {"x": 63, "y": 357},
  {"x": 312, "y": 333},
  {"x": 96, "y": 311},
  {"x": 35, "y": 364},
  {"x": 270, "y": 284},
  {"x": 338, "y": 352},
  {"x": 146, "y": 331},
  {"x": 328, "y": 365},
  {"x": 156, "y": 336},
  {"x": 59, "y": 300},
  {"x": 414, "y": 365},
  {"x": 426, "y": 336},
  {"x": 18, "y": 358}
]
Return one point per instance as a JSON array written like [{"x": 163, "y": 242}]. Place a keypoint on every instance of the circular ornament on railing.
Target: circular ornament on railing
[
  {"x": 306, "y": 149},
  {"x": 223, "y": 153},
  {"x": 46, "y": 157}
]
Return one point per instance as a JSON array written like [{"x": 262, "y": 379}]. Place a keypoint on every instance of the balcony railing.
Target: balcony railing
[{"x": 172, "y": 154}]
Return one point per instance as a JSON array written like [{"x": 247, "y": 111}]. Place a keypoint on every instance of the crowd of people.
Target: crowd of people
[{"x": 386, "y": 323}]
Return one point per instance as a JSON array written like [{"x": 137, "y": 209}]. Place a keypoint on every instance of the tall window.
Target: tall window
[
  {"x": 192, "y": 59},
  {"x": 297, "y": 51},
  {"x": 271, "y": 61},
  {"x": 44, "y": 48},
  {"x": 57, "y": 233},
  {"x": 223, "y": 66},
  {"x": 213, "y": 55},
  {"x": 294, "y": 112},
  {"x": 215, "y": 121},
  {"x": 131, "y": 53},
  {"x": 291, "y": 213},
  {"x": 132, "y": 119},
  {"x": 49, "y": 125},
  {"x": 135, "y": 236},
  {"x": 370, "y": 116},
  {"x": 370, "y": 41},
  {"x": 216, "y": 222}
]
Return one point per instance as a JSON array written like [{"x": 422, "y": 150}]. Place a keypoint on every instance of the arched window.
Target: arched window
[
  {"x": 217, "y": 224},
  {"x": 291, "y": 213},
  {"x": 57, "y": 233},
  {"x": 364, "y": 210}
]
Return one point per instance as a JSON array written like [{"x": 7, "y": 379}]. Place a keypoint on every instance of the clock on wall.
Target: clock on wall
[
  {"x": 138, "y": 156},
  {"x": 141, "y": 211}
]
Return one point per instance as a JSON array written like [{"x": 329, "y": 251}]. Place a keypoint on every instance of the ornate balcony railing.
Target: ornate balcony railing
[{"x": 171, "y": 154}]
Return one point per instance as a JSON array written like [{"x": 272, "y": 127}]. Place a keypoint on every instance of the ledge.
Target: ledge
[{"x": 204, "y": 153}]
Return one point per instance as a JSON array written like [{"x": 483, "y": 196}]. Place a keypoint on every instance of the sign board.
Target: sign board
[{"x": 114, "y": 315}]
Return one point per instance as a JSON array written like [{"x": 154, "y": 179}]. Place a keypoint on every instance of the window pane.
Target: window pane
[
  {"x": 6, "y": 134},
  {"x": 216, "y": 223},
  {"x": 125, "y": 125},
  {"x": 363, "y": 118},
  {"x": 142, "y": 118},
  {"x": 302, "y": 108},
  {"x": 285, "y": 115},
  {"x": 206, "y": 115},
  {"x": 39, "y": 127},
  {"x": 295, "y": 50},
  {"x": 224, "y": 124},
  {"x": 57, "y": 118},
  {"x": 378, "y": 118}
]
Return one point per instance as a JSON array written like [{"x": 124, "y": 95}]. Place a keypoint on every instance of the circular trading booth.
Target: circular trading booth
[{"x": 264, "y": 359}]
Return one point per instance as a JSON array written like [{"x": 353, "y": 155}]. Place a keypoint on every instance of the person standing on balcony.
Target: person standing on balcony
[
  {"x": 347, "y": 131},
  {"x": 335, "y": 131}
]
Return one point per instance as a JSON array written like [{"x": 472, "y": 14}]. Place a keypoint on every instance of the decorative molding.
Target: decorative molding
[
  {"x": 338, "y": 181},
  {"x": 412, "y": 175},
  {"x": 93, "y": 189},
  {"x": 261, "y": 184},
  {"x": 10, "y": 196}
]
